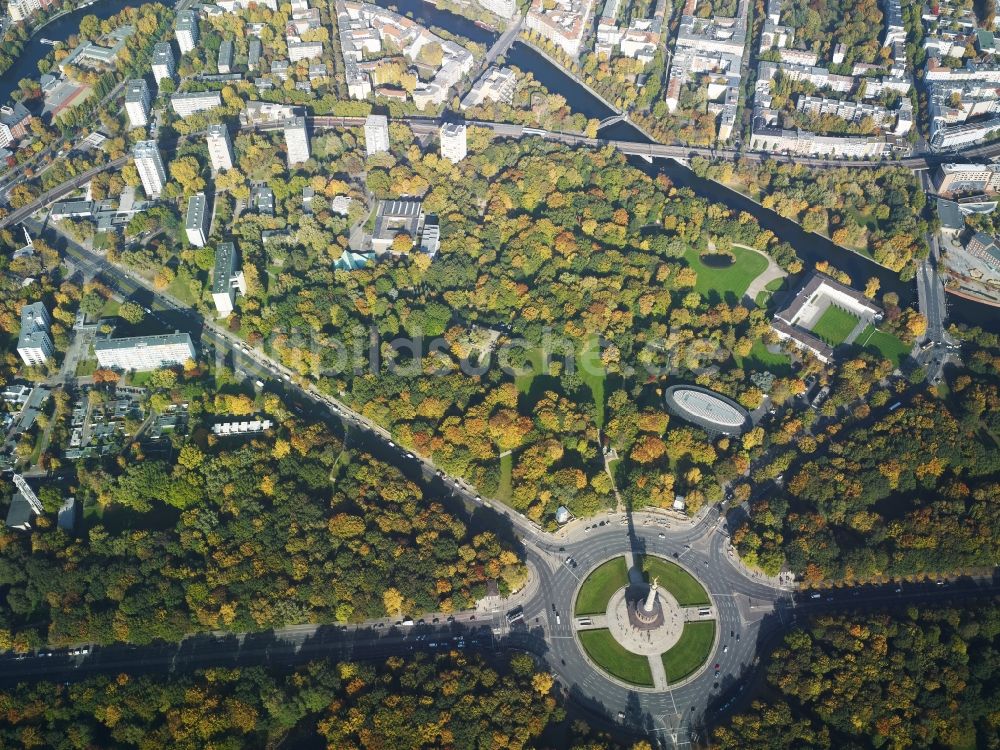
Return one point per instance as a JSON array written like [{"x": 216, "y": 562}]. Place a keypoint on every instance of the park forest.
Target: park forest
[
  {"x": 537, "y": 240},
  {"x": 419, "y": 702},
  {"x": 905, "y": 493},
  {"x": 238, "y": 534},
  {"x": 923, "y": 678},
  {"x": 877, "y": 212}
]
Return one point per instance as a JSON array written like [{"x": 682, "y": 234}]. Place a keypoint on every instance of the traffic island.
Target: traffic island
[{"x": 648, "y": 635}]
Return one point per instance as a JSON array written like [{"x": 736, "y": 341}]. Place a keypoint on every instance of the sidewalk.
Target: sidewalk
[{"x": 524, "y": 594}]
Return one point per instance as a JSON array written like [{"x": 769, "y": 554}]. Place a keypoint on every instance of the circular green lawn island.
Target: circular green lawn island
[{"x": 642, "y": 634}]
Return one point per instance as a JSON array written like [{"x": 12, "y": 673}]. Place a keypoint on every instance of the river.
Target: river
[{"x": 26, "y": 66}]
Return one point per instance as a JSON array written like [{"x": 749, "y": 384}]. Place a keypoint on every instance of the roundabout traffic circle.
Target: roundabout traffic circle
[{"x": 650, "y": 627}]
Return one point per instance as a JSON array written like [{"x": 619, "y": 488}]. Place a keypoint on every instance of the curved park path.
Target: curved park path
[{"x": 772, "y": 272}]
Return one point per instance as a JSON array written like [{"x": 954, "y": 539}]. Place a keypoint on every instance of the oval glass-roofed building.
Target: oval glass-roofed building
[{"x": 711, "y": 411}]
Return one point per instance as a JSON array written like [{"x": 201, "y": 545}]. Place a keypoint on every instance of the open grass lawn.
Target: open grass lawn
[
  {"x": 734, "y": 280},
  {"x": 599, "y": 586},
  {"x": 591, "y": 370},
  {"x": 86, "y": 367},
  {"x": 531, "y": 370},
  {"x": 506, "y": 468},
  {"x": 835, "y": 325},
  {"x": 110, "y": 309},
  {"x": 685, "y": 589},
  {"x": 180, "y": 288},
  {"x": 691, "y": 651},
  {"x": 602, "y": 647},
  {"x": 886, "y": 344},
  {"x": 138, "y": 379},
  {"x": 762, "y": 359}
]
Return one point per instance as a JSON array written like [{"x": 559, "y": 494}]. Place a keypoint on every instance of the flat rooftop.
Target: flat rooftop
[
  {"x": 133, "y": 342},
  {"x": 225, "y": 259},
  {"x": 196, "y": 212}
]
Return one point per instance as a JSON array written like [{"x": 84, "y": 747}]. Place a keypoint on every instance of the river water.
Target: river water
[{"x": 26, "y": 66}]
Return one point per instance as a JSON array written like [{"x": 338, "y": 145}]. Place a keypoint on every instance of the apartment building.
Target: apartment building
[
  {"x": 137, "y": 102},
  {"x": 196, "y": 221},
  {"x": 366, "y": 30},
  {"x": 186, "y": 30},
  {"x": 503, "y": 8},
  {"x": 220, "y": 147},
  {"x": 141, "y": 353},
  {"x": 150, "y": 167},
  {"x": 186, "y": 105},
  {"x": 767, "y": 135},
  {"x": 563, "y": 22},
  {"x": 852, "y": 112},
  {"x": 34, "y": 345},
  {"x": 967, "y": 178},
  {"x": 496, "y": 84},
  {"x": 14, "y": 122},
  {"x": 20, "y": 10},
  {"x": 376, "y": 134},
  {"x": 254, "y": 49},
  {"x": 227, "y": 279},
  {"x": 297, "y": 140},
  {"x": 224, "y": 62},
  {"x": 714, "y": 46},
  {"x": 163, "y": 62},
  {"x": 299, "y": 50},
  {"x": 454, "y": 145}
]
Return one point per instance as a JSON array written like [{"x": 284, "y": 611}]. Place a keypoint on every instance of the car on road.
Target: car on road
[
  {"x": 409, "y": 455},
  {"x": 662, "y": 535}
]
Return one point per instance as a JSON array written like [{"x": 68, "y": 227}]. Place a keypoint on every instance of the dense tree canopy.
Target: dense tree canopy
[
  {"x": 276, "y": 531},
  {"x": 876, "y": 211},
  {"x": 908, "y": 492},
  {"x": 446, "y": 700},
  {"x": 924, "y": 679}
]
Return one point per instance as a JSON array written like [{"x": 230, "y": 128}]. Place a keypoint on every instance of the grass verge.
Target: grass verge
[
  {"x": 506, "y": 469},
  {"x": 598, "y": 587},
  {"x": 886, "y": 344},
  {"x": 591, "y": 371},
  {"x": 681, "y": 584},
  {"x": 691, "y": 651},
  {"x": 602, "y": 647}
]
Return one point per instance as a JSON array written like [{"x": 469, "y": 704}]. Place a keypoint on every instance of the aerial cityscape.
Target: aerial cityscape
[{"x": 587, "y": 374}]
